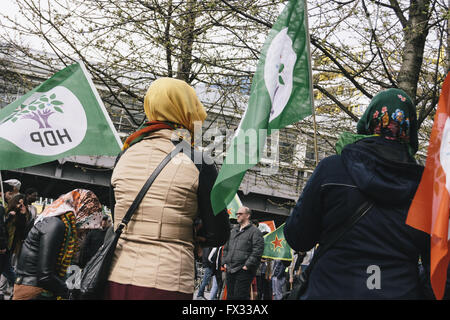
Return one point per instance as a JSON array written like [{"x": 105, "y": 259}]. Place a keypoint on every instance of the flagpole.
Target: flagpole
[
  {"x": 316, "y": 153},
  {"x": 313, "y": 111},
  {"x": 1, "y": 186}
]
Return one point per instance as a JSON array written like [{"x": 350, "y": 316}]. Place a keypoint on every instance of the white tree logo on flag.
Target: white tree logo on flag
[
  {"x": 278, "y": 71},
  {"x": 47, "y": 123}
]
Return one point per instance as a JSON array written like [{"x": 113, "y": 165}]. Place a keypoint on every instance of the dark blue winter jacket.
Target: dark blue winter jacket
[{"x": 378, "y": 257}]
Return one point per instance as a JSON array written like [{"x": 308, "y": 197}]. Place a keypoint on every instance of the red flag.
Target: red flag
[{"x": 429, "y": 210}]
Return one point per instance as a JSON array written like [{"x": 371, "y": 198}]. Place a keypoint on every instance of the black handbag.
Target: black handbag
[
  {"x": 94, "y": 275},
  {"x": 301, "y": 282}
]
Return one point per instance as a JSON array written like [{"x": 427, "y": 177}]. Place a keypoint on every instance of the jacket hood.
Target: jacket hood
[{"x": 383, "y": 170}]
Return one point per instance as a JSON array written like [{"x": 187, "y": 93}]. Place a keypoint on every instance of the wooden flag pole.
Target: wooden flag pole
[
  {"x": 316, "y": 152},
  {"x": 313, "y": 111},
  {"x": 1, "y": 186}
]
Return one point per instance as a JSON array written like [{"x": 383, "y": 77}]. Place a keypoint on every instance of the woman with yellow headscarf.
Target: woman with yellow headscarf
[
  {"x": 154, "y": 258},
  {"x": 169, "y": 104}
]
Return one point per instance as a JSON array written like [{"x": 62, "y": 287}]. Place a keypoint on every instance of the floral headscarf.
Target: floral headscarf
[
  {"x": 391, "y": 114},
  {"x": 83, "y": 203}
]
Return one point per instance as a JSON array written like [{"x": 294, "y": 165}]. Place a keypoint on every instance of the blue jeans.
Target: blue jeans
[
  {"x": 277, "y": 285},
  {"x": 205, "y": 281},
  {"x": 216, "y": 286},
  {"x": 214, "y": 289},
  {"x": 8, "y": 270}
]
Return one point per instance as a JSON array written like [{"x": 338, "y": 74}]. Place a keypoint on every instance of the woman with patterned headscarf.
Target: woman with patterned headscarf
[
  {"x": 154, "y": 258},
  {"x": 52, "y": 243},
  {"x": 378, "y": 257}
]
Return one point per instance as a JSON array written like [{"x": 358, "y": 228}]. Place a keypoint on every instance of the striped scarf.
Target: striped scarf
[
  {"x": 69, "y": 245},
  {"x": 149, "y": 127}
]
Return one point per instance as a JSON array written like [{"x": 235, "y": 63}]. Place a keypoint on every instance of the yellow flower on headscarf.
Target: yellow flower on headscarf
[{"x": 173, "y": 100}]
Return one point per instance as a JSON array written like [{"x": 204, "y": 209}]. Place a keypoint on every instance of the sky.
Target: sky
[{"x": 9, "y": 8}]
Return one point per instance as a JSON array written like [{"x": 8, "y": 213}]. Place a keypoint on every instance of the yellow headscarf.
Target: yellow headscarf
[{"x": 173, "y": 100}]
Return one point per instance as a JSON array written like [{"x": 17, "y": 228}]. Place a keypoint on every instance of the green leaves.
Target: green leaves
[
  {"x": 45, "y": 101},
  {"x": 38, "y": 104}
]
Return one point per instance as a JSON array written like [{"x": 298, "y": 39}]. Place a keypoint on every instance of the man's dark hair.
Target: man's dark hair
[
  {"x": 30, "y": 191},
  {"x": 12, "y": 204}
]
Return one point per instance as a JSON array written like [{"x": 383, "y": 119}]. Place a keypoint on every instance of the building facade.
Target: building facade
[{"x": 270, "y": 189}]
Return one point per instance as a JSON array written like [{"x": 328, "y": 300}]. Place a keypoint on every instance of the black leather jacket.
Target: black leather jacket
[{"x": 37, "y": 261}]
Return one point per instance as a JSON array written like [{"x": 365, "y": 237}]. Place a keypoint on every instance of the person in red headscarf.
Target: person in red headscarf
[{"x": 52, "y": 243}]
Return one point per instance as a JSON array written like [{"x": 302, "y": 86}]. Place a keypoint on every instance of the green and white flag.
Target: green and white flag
[
  {"x": 276, "y": 246},
  {"x": 233, "y": 207},
  {"x": 281, "y": 94},
  {"x": 64, "y": 116}
]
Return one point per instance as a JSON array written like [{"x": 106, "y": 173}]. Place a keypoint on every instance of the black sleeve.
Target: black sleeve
[
  {"x": 216, "y": 228},
  {"x": 112, "y": 198},
  {"x": 303, "y": 226},
  {"x": 3, "y": 233},
  {"x": 52, "y": 237},
  {"x": 112, "y": 201}
]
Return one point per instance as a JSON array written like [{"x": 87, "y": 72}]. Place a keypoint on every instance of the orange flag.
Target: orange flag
[
  {"x": 268, "y": 226},
  {"x": 429, "y": 210}
]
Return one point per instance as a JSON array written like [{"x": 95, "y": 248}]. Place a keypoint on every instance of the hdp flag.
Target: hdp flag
[
  {"x": 281, "y": 94},
  {"x": 276, "y": 246},
  {"x": 63, "y": 116},
  {"x": 429, "y": 210}
]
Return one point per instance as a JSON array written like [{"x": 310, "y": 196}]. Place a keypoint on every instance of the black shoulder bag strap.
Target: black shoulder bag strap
[
  {"x": 145, "y": 188},
  {"x": 335, "y": 236}
]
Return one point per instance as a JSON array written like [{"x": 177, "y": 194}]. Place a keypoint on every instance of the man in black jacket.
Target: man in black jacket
[{"x": 242, "y": 256}]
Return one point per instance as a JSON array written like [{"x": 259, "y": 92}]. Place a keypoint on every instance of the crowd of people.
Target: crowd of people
[
  {"x": 30, "y": 253},
  {"x": 175, "y": 223},
  {"x": 273, "y": 279}
]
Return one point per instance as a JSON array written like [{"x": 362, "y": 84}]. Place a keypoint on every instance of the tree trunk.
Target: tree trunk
[
  {"x": 415, "y": 34},
  {"x": 187, "y": 41},
  {"x": 168, "y": 41}
]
